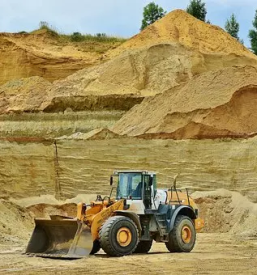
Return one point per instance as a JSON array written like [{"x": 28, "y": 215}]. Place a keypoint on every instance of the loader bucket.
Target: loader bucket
[{"x": 64, "y": 238}]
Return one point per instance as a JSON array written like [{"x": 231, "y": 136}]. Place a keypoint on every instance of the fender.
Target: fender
[
  {"x": 134, "y": 217},
  {"x": 182, "y": 210}
]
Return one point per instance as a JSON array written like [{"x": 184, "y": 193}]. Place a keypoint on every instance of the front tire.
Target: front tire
[
  {"x": 183, "y": 235},
  {"x": 118, "y": 236}
]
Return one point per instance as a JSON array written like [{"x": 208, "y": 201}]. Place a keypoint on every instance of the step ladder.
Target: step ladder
[{"x": 161, "y": 220}]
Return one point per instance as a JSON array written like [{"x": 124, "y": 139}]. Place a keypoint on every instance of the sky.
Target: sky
[{"x": 114, "y": 17}]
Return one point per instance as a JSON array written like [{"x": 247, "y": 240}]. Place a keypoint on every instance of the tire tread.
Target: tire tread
[
  {"x": 173, "y": 243},
  {"x": 104, "y": 235}
]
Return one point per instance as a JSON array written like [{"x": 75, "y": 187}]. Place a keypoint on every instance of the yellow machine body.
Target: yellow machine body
[{"x": 65, "y": 237}]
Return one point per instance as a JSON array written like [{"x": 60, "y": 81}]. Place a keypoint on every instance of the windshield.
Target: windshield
[{"x": 130, "y": 185}]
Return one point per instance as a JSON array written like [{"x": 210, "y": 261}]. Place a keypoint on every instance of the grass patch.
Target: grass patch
[
  {"x": 99, "y": 37},
  {"x": 77, "y": 36}
]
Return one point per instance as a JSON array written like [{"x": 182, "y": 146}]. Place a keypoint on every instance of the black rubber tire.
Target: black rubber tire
[
  {"x": 144, "y": 246},
  {"x": 108, "y": 236},
  {"x": 96, "y": 247},
  {"x": 176, "y": 243}
]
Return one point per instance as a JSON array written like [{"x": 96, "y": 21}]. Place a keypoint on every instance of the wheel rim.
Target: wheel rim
[
  {"x": 124, "y": 236},
  {"x": 186, "y": 234}
]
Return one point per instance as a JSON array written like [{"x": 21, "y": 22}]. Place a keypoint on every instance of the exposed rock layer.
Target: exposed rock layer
[
  {"x": 53, "y": 125},
  {"x": 76, "y": 167},
  {"x": 26, "y": 55},
  {"x": 118, "y": 84}
]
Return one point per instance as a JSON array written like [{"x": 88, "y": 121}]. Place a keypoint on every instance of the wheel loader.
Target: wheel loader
[{"x": 123, "y": 224}]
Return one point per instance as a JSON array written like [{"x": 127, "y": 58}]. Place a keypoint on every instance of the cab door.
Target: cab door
[{"x": 147, "y": 192}]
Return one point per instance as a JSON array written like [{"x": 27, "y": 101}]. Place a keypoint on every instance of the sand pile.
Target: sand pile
[
  {"x": 226, "y": 211},
  {"x": 121, "y": 83},
  {"x": 214, "y": 104},
  {"x": 17, "y": 217},
  {"x": 166, "y": 54},
  {"x": 26, "y": 94},
  {"x": 179, "y": 26},
  {"x": 16, "y": 224}
]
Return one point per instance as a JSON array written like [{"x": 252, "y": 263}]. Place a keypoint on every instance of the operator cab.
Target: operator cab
[{"x": 138, "y": 187}]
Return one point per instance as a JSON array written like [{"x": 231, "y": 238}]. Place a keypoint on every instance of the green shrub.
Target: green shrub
[
  {"x": 43, "y": 25},
  {"x": 76, "y": 37}
]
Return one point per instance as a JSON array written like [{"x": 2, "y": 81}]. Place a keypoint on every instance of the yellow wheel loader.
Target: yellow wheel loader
[{"x": 126, "y": 224}]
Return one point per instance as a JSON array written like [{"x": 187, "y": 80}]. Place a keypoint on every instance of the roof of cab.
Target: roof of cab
[{"x": 145, "y": 172}]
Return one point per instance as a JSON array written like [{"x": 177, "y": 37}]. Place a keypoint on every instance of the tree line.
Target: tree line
[{"x": 197, "y": 8}]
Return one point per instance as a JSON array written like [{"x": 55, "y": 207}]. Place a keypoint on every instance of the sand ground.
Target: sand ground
[{"x": 213, "y": 254}]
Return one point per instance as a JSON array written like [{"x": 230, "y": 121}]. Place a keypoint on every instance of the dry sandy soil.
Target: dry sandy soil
[
  {"x": 232, "y": 252},
  {"x": 213, "y": 254},
  {"x": 216, "y": 98}
]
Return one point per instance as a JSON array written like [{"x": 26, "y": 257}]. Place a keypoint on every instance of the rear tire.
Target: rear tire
[
  {"x": 182, "y": 237},
  {"x": 143, "y": 247},
  {"x": 118, "y": 236}
]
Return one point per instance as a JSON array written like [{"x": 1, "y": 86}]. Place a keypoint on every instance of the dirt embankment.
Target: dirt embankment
[
  {"x": 214, "y": 104},
  {"x": 118, "y": 84},
  {"x": 74, "y": 166},
  {"x": 42, "y": 54},
  {"x": 166, "y": 54},
  {"x": 225, "y": 211}
]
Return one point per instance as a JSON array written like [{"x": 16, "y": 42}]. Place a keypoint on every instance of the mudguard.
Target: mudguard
[
  {"x": 182, "y": 210},
  {"x": 134, "y": 217}
]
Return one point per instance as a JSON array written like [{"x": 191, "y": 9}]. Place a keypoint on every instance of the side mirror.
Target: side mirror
[
  {"x": 111, "y": 180},
  {"x": 151, "y": 181}
]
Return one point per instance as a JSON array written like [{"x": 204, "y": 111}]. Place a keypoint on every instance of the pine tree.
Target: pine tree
[
  {"x": 232, "y": 26},
  {"x": 253, "y": 35},
  {"x": 197, "y": 9}
]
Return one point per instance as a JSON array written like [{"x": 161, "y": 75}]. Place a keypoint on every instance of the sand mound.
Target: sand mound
[
  {"x": 26, "y": 94},
  {"x": 16, "y": 224},
  {"x": 123, "y": 82},
  {"x": 226, "y": 211},
  {"x": 214, "y": 104},
  {"x": 166, "y": 54},
  {"x": 179, "y": 26},
  {"x": 50, "y": 200},
  {"x": 17, "y": 217}
]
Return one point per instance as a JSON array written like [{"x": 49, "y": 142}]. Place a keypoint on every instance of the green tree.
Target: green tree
[
  {"x": 253, "y": 35},
  {"x": 232, "y": 26},
  {"x": 152, "y": 13},
  {"x": 77, "y": 37},
  {"x": 197, "y": 9}
]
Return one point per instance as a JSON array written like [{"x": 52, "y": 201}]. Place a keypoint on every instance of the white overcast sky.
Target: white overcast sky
[{"x": 114, "y": 17}]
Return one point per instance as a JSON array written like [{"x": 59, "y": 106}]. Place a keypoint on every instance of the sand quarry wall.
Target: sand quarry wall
[{"x": 71, "y": 167}]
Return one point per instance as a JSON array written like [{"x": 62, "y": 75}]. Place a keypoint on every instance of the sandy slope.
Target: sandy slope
[
  {"x": 166, "y": 54},
  {"x": 220, "y": 103},
  {"x": 40, "y": 54},
  {"x": 179, "y": 26}
]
